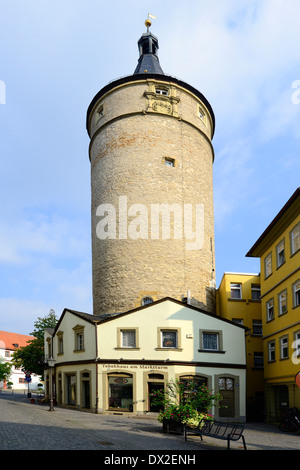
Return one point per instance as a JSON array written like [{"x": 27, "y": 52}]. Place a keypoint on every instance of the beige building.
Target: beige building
[
  {"x": 152, "y": 189},
  {"x": 110, "y": 363}
]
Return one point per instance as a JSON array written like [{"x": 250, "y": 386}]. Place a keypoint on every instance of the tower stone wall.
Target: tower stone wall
[{"x": 150, "y": 144}]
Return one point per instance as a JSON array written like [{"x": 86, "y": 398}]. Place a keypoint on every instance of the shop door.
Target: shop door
[
  {"x": 120, "y": 392},
  {"x": 152, "y": 388},
  {"x": 86, "y": 394},
  {"x": 71, "y": 390},
  {"x": 226, "y": 389},
  {"x": 281, "y": 401}
]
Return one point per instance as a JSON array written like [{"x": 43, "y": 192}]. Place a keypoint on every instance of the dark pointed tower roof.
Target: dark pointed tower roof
[
  {"x": 148, "y": 46},
  {"x": 148, "y": 67}
]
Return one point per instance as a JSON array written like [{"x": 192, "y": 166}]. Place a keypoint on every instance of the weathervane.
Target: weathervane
[{"x": 148, "y": 22}]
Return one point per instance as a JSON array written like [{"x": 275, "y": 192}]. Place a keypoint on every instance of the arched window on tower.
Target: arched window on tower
[{"x": 146, "y": 300}]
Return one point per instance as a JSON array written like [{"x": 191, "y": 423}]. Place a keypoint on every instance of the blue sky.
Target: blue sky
[{"x": 55, "y": 56}]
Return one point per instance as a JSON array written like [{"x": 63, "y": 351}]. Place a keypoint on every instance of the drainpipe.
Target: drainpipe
[{"x": 96, "y": 360}]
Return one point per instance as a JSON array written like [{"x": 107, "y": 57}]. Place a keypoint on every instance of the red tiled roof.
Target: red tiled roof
[{"x": 13, "y": 341}]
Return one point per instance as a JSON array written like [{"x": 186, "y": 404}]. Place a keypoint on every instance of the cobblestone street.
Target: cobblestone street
[{"x": 26, "y": 426}]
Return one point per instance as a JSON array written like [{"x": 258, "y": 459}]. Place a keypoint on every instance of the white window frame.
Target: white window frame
[
  {"x": 280, "y": 253},
  {"x": 282, "y": 300},
  {"x": 235, "y": 287},
  {"x": 284, "y": 347},
  {"x": 296, "y": 344},
  {"x": 296, "y": 293},
  {"x": 295, "y": 239},
  {"x": 270, "y": 309},
  {"x": 268, "y": 265},
  {"x": 271, "y": 351},
  {"x": 162, "y": 91}
]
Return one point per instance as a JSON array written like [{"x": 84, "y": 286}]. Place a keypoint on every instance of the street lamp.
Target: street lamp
[{"x": 51, "y": 363}]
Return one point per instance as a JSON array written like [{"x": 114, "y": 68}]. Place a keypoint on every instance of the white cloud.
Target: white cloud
[
  {"x": 235, "y": 168},
  {"x": 43, "y": 235},
  {"x": 24, "y": 313},
  {"x": 282, "y": 117},
  {"x": 237, "y": 53}
]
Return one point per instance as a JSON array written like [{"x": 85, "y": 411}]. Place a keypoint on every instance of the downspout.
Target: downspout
[{"x": 96, "y": 360}]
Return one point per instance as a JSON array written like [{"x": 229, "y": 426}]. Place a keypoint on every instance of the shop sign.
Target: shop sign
[
  {"x": 140, "y": 366},
  {"x": 121, "y": 380}
]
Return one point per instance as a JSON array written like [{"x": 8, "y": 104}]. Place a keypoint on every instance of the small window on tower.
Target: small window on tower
[
  {"x": 201, "y": 113},
  {"x": 169, "y": 161},
  {"x": 147, "y": 300},
  {"x": 162, "y": 91},
  {"x": 99, "y": 113}
]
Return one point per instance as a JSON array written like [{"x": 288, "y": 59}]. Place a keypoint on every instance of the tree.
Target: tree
[
  {"x": 185, "y": 402},
  {"x": 49, "y": 321},
  {"x": 30, "y": 358},
  {"x": 5, "y": 370}
]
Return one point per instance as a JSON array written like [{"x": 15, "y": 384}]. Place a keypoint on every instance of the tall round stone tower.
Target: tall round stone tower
[{"x": 152, "y": 189}]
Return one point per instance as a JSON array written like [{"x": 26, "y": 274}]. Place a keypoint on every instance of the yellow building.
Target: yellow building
[
  {"x": 279, "y": 251},
  {"x": 238, "y": 300}
]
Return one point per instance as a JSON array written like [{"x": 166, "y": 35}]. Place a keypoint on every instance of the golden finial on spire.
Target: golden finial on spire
[{"x": 148, "y": 22}]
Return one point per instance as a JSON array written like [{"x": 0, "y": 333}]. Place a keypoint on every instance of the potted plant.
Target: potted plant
[
  {"x": 9, "y": 384},
  {"x": 183, "y": 403}
]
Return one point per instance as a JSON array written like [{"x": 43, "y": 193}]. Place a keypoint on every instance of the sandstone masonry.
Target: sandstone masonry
[{"x": 135, "y": 126}]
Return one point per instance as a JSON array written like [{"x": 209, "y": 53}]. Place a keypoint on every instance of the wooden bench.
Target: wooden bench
[{"x": 218, "y": 429}]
